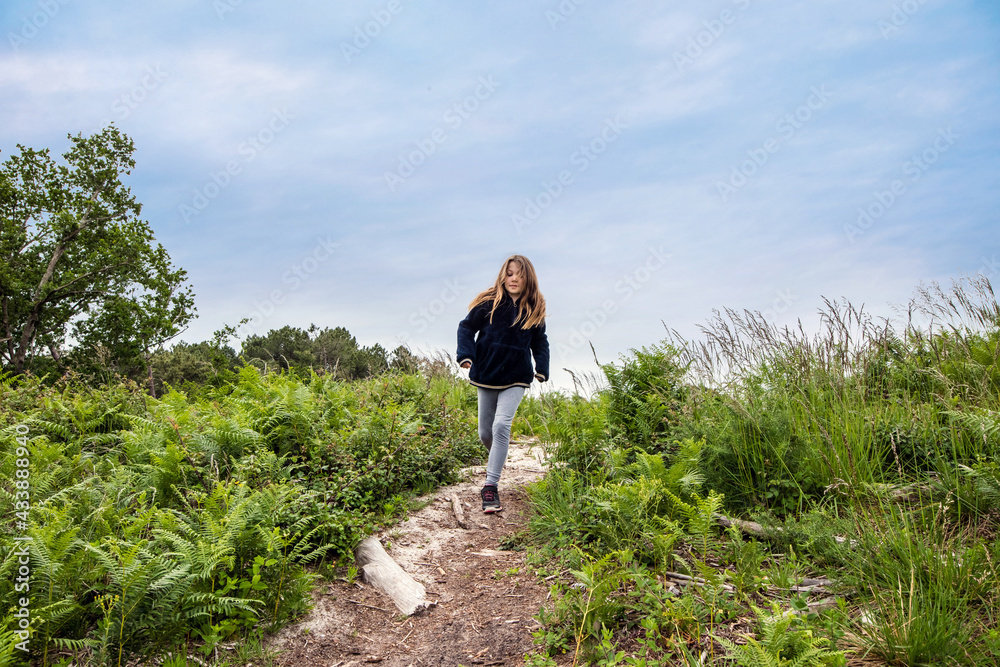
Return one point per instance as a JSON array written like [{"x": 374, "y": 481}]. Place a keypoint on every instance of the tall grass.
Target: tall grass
[
  {"x": 789, "y": 416},
  {"x": 887, "y": 428},
  {"x": 924, "y": 590}
]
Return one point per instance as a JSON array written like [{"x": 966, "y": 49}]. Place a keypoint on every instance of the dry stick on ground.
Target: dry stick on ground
[
  {"x": 685, "y": 580},
  {"x": 362, "y": 604},
  {"x": 456, "y": 507},
  {"x": 808, "y": 585},
  {"x": 816, "y": 607}
]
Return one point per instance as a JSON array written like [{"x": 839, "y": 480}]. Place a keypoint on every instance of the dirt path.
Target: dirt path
[{"x": 485, "y": 596}]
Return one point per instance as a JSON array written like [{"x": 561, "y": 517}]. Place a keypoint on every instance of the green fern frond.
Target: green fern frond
[
  {"x": 651, "y": 466},
  {"x": 985, "y": 424},
  {"x": 141, "y": 424},
  {"x": 53, "y": 429},
  {"x": 101, "y": 441},
  {"x": 76, "y": 644},
  {"x": 784, "y": 640},
  {"x": 7, "y": 379},
  {"x": 985, "y": 477}
]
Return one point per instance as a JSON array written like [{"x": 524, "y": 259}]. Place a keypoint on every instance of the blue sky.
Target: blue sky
[{"x": 371, "y": 164}]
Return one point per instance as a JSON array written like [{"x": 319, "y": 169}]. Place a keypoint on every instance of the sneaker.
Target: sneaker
[{"x": 491, "y": 499}]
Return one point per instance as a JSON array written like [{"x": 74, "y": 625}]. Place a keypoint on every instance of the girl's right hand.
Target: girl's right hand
[{"x": 466, "y": 364}]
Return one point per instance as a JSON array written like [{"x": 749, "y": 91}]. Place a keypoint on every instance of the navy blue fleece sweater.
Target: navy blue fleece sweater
[{"x": 500, "y": 351}]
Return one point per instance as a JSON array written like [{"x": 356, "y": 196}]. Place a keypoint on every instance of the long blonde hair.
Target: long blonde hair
[{"x": 531, "y": 303}]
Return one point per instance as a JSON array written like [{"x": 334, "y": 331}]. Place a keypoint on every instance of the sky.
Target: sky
[{"x": 372, "y": 164}]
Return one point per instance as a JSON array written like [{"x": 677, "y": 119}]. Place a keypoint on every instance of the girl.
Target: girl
[{"x": 505, "y": 327}]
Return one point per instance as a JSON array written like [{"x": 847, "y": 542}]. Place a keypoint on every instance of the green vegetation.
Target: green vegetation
[
  {"x": 868, "y": 455},
  {"x": 868, "y": 458},
  {"x": 77, "y": 261},
  {"x": 86, "y": 290},
  {"x": 159, "y": 499},
  {"x": 163, "y": 502},
  {"x": 157, "y": 525}
]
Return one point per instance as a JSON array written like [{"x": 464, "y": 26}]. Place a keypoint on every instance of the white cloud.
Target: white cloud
[{"x": 689, "y": 124}]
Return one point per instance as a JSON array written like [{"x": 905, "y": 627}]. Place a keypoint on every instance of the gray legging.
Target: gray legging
[{"x": 496, "y": 412}]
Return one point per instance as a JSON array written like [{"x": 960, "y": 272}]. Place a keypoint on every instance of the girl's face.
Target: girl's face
[{"x": 514, "y": 282}]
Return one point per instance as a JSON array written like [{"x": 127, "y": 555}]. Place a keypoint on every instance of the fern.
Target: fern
[
  {"x": 233, "y": 439},
  {"x": 55, "y": 553},
  {"x": 209, "y": 539},
  {"x": 700, "y": 515},
  {"x": 10, "y": 654},
  {"x": 982, "y": 424},
  {"x": 785, "y": 641},
  {"x": 630, "y": 516},
  {"x": 985, "y": 477},
  {"x": 7, "y": 380},
  {"x": 43, "y": 426},
  {"x": 595, "y": 606},
  {"x": 142, "y": 596},
  {"x": 682, "y": 477}
]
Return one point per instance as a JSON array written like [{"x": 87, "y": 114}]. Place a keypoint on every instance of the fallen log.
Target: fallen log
[
  {"x": 386, "y": 576},
  {"x": 905, "y": 494},
  {"x": 754, "y": 528}
]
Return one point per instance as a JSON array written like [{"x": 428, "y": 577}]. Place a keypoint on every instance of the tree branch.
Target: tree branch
[{"x": 95, "y": 272}]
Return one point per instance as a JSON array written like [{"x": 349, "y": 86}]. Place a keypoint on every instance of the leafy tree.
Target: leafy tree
[
  {"x": 282, "y": 348},
  {"x": 326, "y": 350},
  {"x": 187, "y": 365},
  {"x": 402, "y": 359},
  {"x": 78, "y": 260},
  {"x": 335, "y": 350},
  {"x": 371, "y": 361}
]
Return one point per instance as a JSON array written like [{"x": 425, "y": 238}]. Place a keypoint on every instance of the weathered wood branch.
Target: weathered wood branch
[
  {"x": 754, "y": 528},
  {"x": 686, "y": 580},
  {"x": 383, "y": 573},
  {"x": 456, "y": 507}
]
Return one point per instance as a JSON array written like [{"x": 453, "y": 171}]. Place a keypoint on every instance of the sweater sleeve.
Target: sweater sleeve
[
  {"x": 467, "y": 330},
  {"x": 540, "y": 350}
]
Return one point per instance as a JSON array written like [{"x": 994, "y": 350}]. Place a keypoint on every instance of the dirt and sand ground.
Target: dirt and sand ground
[{"x": 485, "y": 596}]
